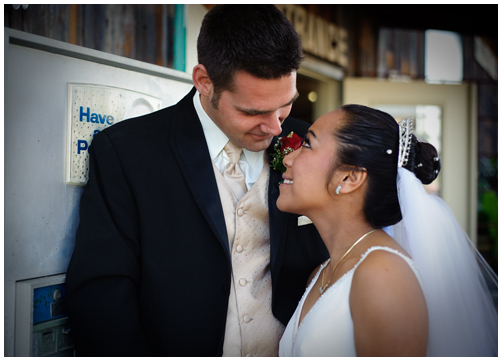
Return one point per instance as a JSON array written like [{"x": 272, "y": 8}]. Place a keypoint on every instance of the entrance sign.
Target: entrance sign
[
  {"x": 319, "y": 37},
  {"x": 92, "y": 108}
]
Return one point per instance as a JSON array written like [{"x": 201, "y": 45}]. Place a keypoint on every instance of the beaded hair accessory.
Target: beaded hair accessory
[{"x": 405, "y": 133}]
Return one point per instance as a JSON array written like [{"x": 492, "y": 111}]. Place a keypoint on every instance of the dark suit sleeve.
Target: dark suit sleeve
[{"x": 104, "y": 273}]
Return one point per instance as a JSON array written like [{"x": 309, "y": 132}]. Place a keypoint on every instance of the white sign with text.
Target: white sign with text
[{"x": 92, "y": 108}]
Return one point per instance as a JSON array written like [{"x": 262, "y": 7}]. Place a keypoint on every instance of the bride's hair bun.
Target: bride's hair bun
[
  {"x": 424, "y": 161},
  {"x": 369, "y": 138}
]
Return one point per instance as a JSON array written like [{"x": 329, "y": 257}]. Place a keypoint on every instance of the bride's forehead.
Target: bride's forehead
[{"x": 327, "y": 123}]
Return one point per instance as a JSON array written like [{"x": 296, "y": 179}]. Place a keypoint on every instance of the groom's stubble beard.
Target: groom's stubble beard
[{"x": 215, "y": 99}]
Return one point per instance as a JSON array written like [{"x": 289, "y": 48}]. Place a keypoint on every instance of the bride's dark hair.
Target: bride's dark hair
[{"x": 366, "y": 136}]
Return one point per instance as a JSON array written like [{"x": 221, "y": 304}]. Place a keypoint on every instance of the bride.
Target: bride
[{"x": 358, "y": 177}]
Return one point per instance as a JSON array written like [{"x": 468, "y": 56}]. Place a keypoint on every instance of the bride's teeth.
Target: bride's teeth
[{"x": 288, "y": 181}]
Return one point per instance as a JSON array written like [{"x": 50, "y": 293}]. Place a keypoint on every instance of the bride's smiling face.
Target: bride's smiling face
[{"x": 307, "y": 186}]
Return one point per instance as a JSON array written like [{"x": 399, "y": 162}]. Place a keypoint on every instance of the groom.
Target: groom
[{"x": 181, "y": 250}]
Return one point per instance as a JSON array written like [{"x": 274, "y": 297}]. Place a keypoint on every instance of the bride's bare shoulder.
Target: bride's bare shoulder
[
  {"x": 385, "y": 275},
  {"x": 384, "y": 265},
  {"x": 385, "y": 299}
]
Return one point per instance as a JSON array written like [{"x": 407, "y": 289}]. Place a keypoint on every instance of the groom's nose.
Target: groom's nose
[{"x": 272, "y": 123}]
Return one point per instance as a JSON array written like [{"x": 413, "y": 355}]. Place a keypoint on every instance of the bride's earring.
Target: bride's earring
[{"x": 337, "y": 191}]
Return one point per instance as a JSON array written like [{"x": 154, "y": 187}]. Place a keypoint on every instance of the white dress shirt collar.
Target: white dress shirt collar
[{"x": 215, "y": 138}]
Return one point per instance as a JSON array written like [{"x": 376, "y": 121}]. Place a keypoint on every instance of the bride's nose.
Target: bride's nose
[{"x": 288, "y": 159}]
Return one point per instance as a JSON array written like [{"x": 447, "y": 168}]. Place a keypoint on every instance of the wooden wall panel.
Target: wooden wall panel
[{"x": 141, "y": 32}]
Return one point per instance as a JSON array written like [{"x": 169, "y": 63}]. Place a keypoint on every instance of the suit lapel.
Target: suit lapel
[
  {"x": 190, "y": 148},
  {"x": 277, "y": 218}
]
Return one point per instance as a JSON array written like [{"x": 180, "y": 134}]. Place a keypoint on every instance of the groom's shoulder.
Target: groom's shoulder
[
  {"x": 129, "y": 131},
  {"x": 154, "y": 123}
]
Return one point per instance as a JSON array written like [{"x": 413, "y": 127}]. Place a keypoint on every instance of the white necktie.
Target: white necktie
[{"x": 233, "y": 174}]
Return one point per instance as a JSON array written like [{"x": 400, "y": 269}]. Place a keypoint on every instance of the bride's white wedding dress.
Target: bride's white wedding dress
[
  {"x": 456, "y": 282},
  {"x": 327, "y": 329}
]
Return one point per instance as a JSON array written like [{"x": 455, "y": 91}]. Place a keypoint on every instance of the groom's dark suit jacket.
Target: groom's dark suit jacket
[{"x": 151, "y": 269}]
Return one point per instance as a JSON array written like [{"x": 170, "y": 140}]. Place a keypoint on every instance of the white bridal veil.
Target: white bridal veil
[{"x": 456, "y": 280}]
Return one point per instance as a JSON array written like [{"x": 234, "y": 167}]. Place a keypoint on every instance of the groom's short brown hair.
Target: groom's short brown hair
[{"x": 257, "y": 39}]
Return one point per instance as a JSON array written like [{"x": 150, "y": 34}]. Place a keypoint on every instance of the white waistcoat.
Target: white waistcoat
[{"x": 251, "y": 328}]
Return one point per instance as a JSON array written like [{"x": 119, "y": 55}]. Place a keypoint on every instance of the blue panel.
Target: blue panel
[
  {"x": 45, "y": 307},
  {"x": 179, "y": 37}
]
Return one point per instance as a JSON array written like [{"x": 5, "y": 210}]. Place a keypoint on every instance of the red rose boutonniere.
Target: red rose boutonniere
[{"x": 283, "y": 147}]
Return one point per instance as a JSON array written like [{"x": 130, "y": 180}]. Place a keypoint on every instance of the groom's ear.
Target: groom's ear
[{"x": 201, "y": 80}]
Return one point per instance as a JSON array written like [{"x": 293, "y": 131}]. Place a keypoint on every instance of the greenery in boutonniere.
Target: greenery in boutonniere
[{"x": 283, "y": 147}]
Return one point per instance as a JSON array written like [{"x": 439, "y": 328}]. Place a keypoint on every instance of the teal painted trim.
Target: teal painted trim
[{"x": 180, "y": 35}]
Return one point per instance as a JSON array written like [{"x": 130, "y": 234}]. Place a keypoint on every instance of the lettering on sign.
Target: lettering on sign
[
  {"x": 319, "y": 37},
  {"x": 91, "y": 109}
]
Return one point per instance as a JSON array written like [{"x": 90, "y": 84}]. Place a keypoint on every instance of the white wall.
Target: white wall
[
  {"x": 41, "y": 210},
  {"x": 194, "y": 13}
]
